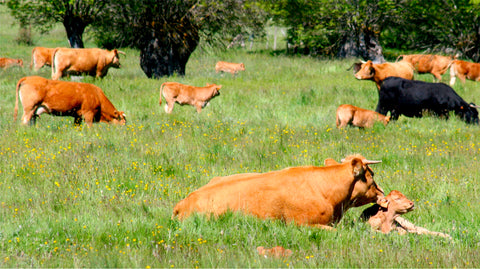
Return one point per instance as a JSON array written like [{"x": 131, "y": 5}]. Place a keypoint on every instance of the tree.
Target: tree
[
  {"x": 167, "y": 32},
  {"x": 349, "y": 28},
  {"x": 436, "y": 25},
  {"x": 75, "y": 15}
]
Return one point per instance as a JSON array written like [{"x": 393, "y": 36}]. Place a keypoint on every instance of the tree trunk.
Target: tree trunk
[
  {"x": 74, "y": 27},
  {"x": 167, "y": 55},
  {"x": 364, "y": 45}
]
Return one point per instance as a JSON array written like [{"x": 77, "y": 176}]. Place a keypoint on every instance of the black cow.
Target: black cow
[{"x": 411, "y": 98}]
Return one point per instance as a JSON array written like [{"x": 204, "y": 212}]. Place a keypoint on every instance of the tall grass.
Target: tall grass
[{"x": 103, "y": 196}]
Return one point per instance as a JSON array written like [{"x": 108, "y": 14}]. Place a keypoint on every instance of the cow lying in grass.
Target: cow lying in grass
[
  {"x": 385, "y": 216},
  {"x": 307, "y": 195}
]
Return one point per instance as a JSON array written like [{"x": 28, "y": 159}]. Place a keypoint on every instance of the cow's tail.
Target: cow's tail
[
  {"x": 32, "y": 63},
  {"x": 453, "y": 72},
  {"x": 54, "y": 69},
  {"x": 161, "y": 93},
  {"x": 15, "y": 111}
]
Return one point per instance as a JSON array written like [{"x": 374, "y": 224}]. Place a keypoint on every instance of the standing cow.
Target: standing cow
[
  {"x": 61, "y": 98},
  {"x": 40, "y": 57},
  {"x": 94, "y": 62},
  {"x": 464, "y": 70},
  {"x": 411, "y": 98},
  {"x": 437, "y": 65},
  {"x": 309, "y": 195},
  {"x": 379, "y": 72}
]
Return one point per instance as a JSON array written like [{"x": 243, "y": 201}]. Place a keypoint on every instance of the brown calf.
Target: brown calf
[
  {"x": 8, "y": 62},
  {"x": 356, "y": 116},
  {"x": 187, "y": 95},
  {"x": 232, "y": 68}
]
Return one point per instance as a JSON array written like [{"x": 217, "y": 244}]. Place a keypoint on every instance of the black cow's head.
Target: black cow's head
[{"x": 470, "y": 113}]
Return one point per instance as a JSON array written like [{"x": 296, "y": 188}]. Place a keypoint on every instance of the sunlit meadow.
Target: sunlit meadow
[{"x": 73, "y": 196}]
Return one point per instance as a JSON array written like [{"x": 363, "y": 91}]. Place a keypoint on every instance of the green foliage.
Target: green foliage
[{"x": 103, "y": 196}]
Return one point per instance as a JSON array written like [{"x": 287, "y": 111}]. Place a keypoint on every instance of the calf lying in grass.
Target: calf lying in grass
[
  {"x": 385, "y": 216},
  {"x": 356, "y": 116},
  {"x": 277, "y": 252}
]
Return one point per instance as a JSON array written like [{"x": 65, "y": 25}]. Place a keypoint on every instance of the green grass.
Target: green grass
[{"x": 103, "y": 196}]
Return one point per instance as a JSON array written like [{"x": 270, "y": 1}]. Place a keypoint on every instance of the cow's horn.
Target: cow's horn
[
  {"x": 370, "y": 162},
  {"x": 475, "y": 106},
  {"x": 362, "y": 61},
  {"x": 121, "y": 52}
]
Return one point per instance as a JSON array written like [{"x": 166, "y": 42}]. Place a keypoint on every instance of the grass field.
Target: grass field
[{"x": 103, "y": 196}]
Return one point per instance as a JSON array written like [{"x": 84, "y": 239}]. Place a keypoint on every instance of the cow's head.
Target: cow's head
[
  {"x": 115, "y": 58},
  {"x": 470, "y": 113},
  {"x": 215, "y": 89},
  {"x": 119, "y": 118},
  {"x": 397, "y": 202},
  {"x": 242, "y": 67},
  {"x": 20, "y": 62},
  {"x": 365, "y": 190},
  {"x": 366, "y": 71}
]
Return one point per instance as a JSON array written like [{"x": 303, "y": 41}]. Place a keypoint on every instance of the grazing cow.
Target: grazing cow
[
  {"x": 94, "y": 62},
  {"x": 8, "y": 62},
  {"x": 382, "y": 216},
  {"x": 276, "y": 252},
  {"x": 411, "y": 98},
  {"x": 186, "y": 94},
  {"x": 356, "y": 116},
  {"x": 379, "y": 72},
  {"x": 60, "y": 98},
  {"x": 437, "y": 65},
  {"x": 463, "y": 70},
  {"x": 308, "y": 195},
  {"x": 232, "y": 68},
  {"x": 40, "y": 57}
]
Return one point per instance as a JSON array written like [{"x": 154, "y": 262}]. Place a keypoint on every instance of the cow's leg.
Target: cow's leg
[
  {"x": 88, "y": 116},
  {"x": 169, "y": 106},
  {"x": 437, "y": 76}
]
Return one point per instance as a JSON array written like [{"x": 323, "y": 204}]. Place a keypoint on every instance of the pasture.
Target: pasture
[{"x": 73, "y": 196}]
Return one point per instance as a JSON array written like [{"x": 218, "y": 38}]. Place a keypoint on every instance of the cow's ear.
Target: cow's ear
[
  {"x": 357, "y": 166},
  {"x": 383, "y": 202},
  {"x": 329, "y": 162},
  {"x": 219, "y": 86}
]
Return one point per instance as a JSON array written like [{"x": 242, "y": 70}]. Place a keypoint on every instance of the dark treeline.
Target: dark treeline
[{"x": 167, "y": 32}]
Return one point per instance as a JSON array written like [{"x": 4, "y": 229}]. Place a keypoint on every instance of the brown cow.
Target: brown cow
[
  {"x": 94, "y": 62},
  {"x": 60, "y": 98},
  {"x": 8, "y": 62},
  {"x": 356, "y": 116},
  {"x": 379, "y": 72},
  {"x": 463, "y": 70},
  {"x": 186, "y": 94},
  {"x": 40, "y": 57},
  {"x": 437, "y": 65},
  {"x": 232, "y": 68},
  {"x": 309, "y": 195}
]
